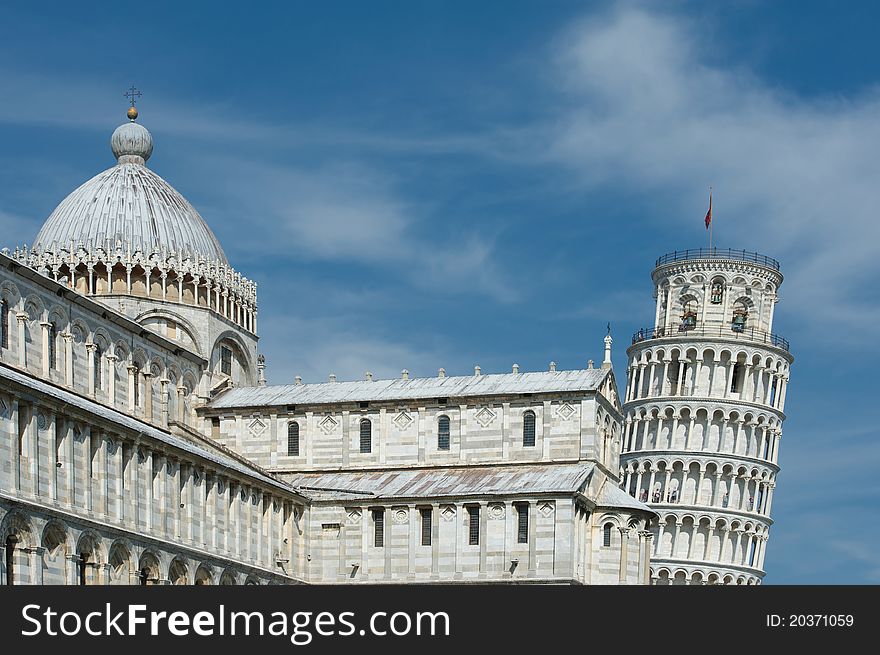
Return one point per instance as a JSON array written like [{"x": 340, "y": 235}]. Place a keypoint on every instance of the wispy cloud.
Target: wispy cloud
[{"x": 351, "y": 213}]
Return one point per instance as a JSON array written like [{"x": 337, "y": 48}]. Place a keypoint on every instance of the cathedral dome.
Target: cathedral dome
[{"x": 130, "y": 204}]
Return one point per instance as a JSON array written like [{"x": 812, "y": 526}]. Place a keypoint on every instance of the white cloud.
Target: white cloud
[{"x": 794, "y": 177}]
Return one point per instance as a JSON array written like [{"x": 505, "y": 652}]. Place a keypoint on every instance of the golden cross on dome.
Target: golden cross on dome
[{"x": 132, "y": 94}]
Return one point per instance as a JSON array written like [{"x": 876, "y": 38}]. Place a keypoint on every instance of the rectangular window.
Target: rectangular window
[
  {"x": 426, "y": 525},
  {"x": 473, "y": 526},
  {"x": 378, "y": 527},
  {"x": 171, "y": 329},
  {"x": 522, "y": 524},
  {"x": 225, "y": 361},
  {"x": 735, "y": 378}
]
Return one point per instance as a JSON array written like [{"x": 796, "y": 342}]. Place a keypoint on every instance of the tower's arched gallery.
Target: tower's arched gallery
[{"x": 140, "y": 443}]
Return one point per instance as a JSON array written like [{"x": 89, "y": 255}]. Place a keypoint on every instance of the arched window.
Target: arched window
[
  {"x": 136, "y": 399},
  {"x": 53, "y": 337},
  {"x": 11, "y": 541},
  {"x": 366, "y": 435},
  {"x": 688, "y": 314},
  {"x": 98, "y": 354},
  {"x": 606, "y": 534},
  {"x": 740, "y": 316},
  {"x": 528, "y": 428},
  {"x": 443, "y": 433},
  {"x": 4, "y": 324},
  {"x": 293, "y": 438},
  {"x": 716, "y": 294}
]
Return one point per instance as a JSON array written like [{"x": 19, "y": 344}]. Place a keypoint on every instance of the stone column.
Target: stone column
[
  {"x": 132, "y": 383},
  {"x": 163, "y": 400},
  {"x": 769, "y": 498},
  {"x": 91, "y": 348},
  {"x": 677, "y": 530},
  {"x": 624, "y": 538},
  {"x": 717, "y": 487},
  {"x": 679, "y": 378},
  {"x": 181, "y": 404},
  {"x": 664, "y": 376},
  {"x": 68, "y": 358},
  {"x": 697, "y": 492},
  {"x": 46, "y": 349},
  {"x": 111, "y": 378},
  {"x": 21, "y": 317},
  {"x": 698, "y": 366},
  {"x": 735, "y": 554},
  {"x": 661, "y": 528},
  {"x": 148, "y": 394},
  {"x": 646, "y": 561}
]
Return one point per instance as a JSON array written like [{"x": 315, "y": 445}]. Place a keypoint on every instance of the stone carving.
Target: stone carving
[
  {"x": 485, "y": 417},
  {"x": 403, "y": 420},
  {"x": 257, "y": 427}
]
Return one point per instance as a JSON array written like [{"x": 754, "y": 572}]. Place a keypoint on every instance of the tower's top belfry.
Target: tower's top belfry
[{"x": 716, "y": 293}]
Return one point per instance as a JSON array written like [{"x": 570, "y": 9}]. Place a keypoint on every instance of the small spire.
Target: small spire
[
  {"x": 404, "y": 374},
  {"x": 441, "y": 373},
  {"x": 552, "y": 367},
  {"x": 368, "y": 376},
  {"x": 298, "y": 380},
  {"x": 261, "y": 370},
  {"x": 477, "y": 369},
  {"x": 606, "y": 363},
  {"x": 516, "y": 368},
  {"x": 590, "y": 363},
  {"x": 332, "y": 377}
]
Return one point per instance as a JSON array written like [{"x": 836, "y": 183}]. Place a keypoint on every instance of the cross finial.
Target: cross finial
[{"x": 132, "y": 94}]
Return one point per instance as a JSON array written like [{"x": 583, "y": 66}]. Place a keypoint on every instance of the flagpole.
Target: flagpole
[{"x": 711, "y": 218}]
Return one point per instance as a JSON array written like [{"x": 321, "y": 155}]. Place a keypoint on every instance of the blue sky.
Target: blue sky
[{"x": 416, "y": 185}]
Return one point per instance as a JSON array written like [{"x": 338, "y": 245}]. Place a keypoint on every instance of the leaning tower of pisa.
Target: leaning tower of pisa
[{"x": 704, "y": 407}]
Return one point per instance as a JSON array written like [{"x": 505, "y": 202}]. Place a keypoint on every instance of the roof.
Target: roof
[
  {"x": 612, "y": 496},
  {"x": 585, "y": 380},
  {"x": 107, "y": 413},
  {"x": 131, "y": 204},
  {"x": 444, "y": 482}
]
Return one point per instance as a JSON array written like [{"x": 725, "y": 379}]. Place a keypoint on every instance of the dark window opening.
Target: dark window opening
[
  {"x": 366, "y": 435},
  {"x": 473, "y": 526},
  {"x": 378, "y": 527},
  {"x": 529, "y": 429},
  {"x": 522, "y": 524},
  {"x": 606, "y": 535},
  {"x": 426, "y": 525},
  {"x": 53, "y": 337},
  {"x": 443, "y": 433},
  {"x": 4, "y": 324},
  {"x": 293, "y": 438},
  {"x": 225, "y": 361},
  {"x": 736, "y": 378}
]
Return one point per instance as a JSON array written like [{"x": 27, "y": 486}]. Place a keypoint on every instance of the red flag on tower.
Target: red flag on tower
[{"x": 709, "y": 213}]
